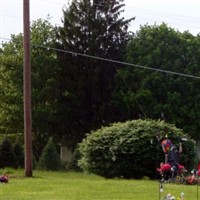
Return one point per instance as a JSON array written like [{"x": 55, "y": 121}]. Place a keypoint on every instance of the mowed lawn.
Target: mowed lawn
[{"x": 79, "y": 186}]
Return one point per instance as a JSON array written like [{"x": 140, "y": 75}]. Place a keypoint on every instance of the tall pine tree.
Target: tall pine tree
[{"x": 91, "y": 28}]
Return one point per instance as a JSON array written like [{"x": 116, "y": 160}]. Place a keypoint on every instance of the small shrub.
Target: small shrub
[
  {"x": 50, "y": 159},
  {"x": 8, "y": 157}
]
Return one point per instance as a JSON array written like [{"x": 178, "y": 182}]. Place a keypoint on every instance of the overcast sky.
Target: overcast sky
[{"x": 179, "y": 14}]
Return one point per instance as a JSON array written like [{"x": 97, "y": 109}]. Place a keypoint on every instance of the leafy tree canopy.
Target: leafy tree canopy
[
  {"x": 153, "y": 94},
  {"x": 43, "y": 74}
]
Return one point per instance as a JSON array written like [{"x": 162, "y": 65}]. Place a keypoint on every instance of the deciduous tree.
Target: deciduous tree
[
  {"x": 154, "y": 94},
  {"x": 44, "y": 78}
]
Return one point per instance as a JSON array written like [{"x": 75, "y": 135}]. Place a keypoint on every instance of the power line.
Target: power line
[
  {"x": 177, "y": 25},
  {"x": 164, "y": 14},
  {"x": 172, "y": 20},
  {"x": 12, "y": 16},
  {"x": 114, "y": 61},
  {"x": 119, "y": 62},
  {"x": 131, "y": 8}
]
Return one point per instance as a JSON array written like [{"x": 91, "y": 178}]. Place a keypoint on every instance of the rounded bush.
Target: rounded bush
[{"x": 129, "y": 150}]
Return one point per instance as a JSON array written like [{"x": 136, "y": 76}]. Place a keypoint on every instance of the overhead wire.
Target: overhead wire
[
  {"x": 152, "y": 16},
  {"x": 172, "y": 16},
  {"x": 114, "y": 61},
  {"x": 164, "y": 14},
  {"x": 119, "y": 62},
  {"x": 148, "y": 12}
]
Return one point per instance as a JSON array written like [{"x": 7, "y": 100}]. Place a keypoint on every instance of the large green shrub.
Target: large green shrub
[
  {"x": 130, "y": 150},
  {"x": 50, "y": 159}
]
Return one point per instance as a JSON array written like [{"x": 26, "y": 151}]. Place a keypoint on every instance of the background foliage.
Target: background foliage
[{"x": 73, "y": 95}]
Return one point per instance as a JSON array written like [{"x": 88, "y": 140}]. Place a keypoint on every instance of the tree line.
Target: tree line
[{"x": 73, "y": 95}]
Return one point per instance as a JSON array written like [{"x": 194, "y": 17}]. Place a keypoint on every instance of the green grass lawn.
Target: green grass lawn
[{"x": 79, "y": 186}]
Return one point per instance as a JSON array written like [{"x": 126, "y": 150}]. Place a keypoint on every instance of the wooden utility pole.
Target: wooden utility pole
[{"x": 27, "y": 91}]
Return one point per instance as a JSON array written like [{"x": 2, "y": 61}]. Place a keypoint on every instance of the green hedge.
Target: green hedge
[{"x": 131, "y": 149}]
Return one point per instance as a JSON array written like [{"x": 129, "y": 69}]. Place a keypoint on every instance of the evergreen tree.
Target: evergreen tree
[
  {"x": 49, "y": 159},
  {"x": 94, "y": 28},
  {"x": 8, "y": 157}
]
